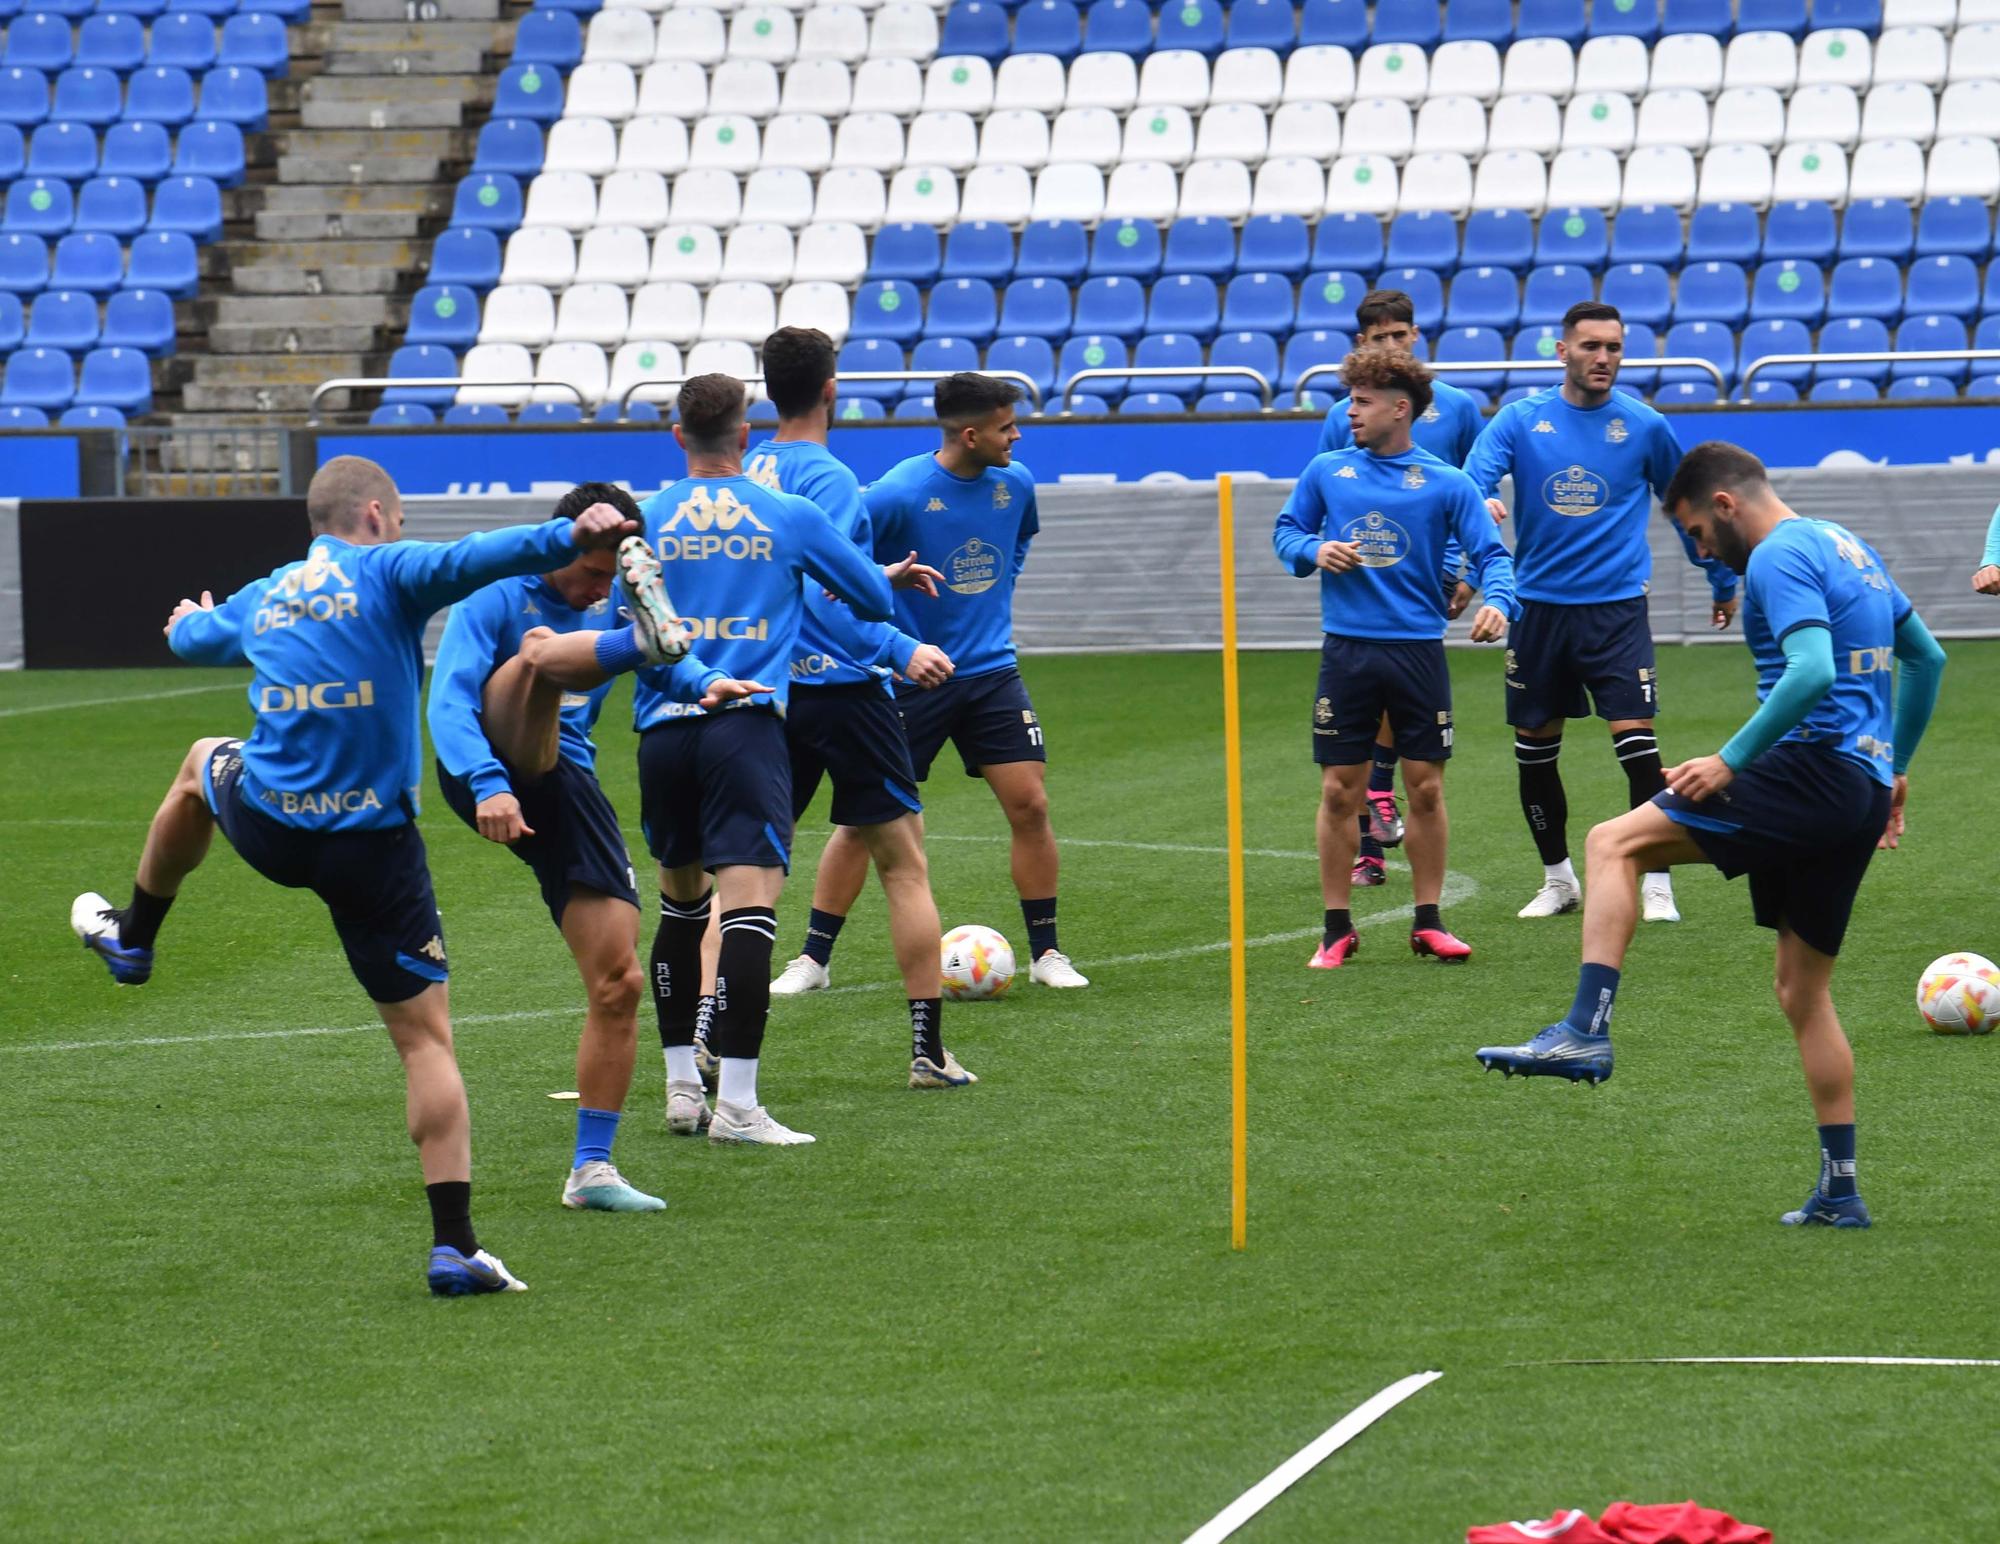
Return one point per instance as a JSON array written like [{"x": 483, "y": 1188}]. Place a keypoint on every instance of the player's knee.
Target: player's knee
[
  {"x": 1340, "y": 801},
  {"x": 615, "y": 991},
  {"x": 535, "y": 645},
  {"x": 1425, "y": 795},
  {"x": 1606, "y": 843},
  {"x": 1028, "y": 809}
]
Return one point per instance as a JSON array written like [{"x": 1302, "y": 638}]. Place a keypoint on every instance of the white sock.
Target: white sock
[
  {"x": 680, "y": 1065},
  {"x": 738, "y": 1083},
  {"x": 1563, "y": 872}
]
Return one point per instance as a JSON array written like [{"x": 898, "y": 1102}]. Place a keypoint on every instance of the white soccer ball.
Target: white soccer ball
[
  {"x": 1960, "y": 995},
  {"x": 976, "y": 962}
]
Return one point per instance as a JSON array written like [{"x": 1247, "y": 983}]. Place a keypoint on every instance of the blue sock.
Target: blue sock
[
  {"x": 822, "y": 928},
  {"x": 1836, "y": 1162},
  {"x": 1382, "y": 775},
  {"x": 1040, "y": 916},
  {"x": 1590, "y": 1014},
  {"x": 595, "y": 1131},
  {"x": 618, "y": 650}
]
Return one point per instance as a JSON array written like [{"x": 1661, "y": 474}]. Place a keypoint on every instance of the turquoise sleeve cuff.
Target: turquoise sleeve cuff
[{"x": 1808, "y": 674}]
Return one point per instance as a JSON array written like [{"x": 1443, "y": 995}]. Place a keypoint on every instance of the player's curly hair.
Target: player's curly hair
[
  {"x": 711, "y": 411},
  {"x": 1389, "y": 369},
  {"x": 583, "y": 495}
]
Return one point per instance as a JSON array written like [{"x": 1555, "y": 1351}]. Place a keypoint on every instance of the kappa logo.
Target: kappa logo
[
  {"x": 1543, "y": 426},
  {"x": 531, "y": 610},
  {"x": 1849, "y": 549},
  {"x": 1346, "y": 471},
  {"x": 763, "y": 470},
  {"x": 434, "y": 950},
  {"x": 1414, "y": 477},
  {"x": 935, "y": 507},
  {"x": 1616, "y": 432},
  {"x": 705, "y": 511}
]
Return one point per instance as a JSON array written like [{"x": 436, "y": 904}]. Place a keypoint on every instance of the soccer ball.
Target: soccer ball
[
  {"x": 1960, "y": 995},
  {"x": 977, "y": 962}
]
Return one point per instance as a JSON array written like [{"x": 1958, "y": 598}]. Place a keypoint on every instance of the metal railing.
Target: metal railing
[
  {"x": 1897, "y": 356},
  {"x": 1487, "y": 366},
  {"x": 1162, "y": 372},
  {"x": 1026, "y": 382},
  {"x": 197, "y": 461},
  {"x": 386, "y": 382}
]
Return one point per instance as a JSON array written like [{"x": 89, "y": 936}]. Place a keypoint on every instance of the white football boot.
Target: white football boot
[
  {"x": 660, "y": 633},
  {"x": 597, "y": 1186},
  {"x": 925, "y": 1073},
  {"x": 732, "y": 1123},
  {"x": 688, "y": 1114},
  {"x": 1656, "y": 898},
  {"x": 1054, "y": 969},
  {"x": 804, "y": 974},
  {"x": 1556, "y": 898}
]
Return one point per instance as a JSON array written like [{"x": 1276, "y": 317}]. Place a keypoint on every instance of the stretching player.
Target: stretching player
[
  {"x": 1372, "y": 521},
  {"x": 323, "y": 795},
  {"x": 520, "y": 679},
  {"x": 842, "y": 723},
  {"x": 1798, "y": 799},
  {"x": 1585, "y": 460},
  {"x": 1447, "y": 428},
  {"x": 969, "y": 509},
  {"x": 716, "y": 789}
]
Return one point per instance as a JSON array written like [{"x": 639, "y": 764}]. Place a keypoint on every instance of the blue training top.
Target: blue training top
[
  {"x": 1813, "y": 573},
  {"x": 1399, "y": 510},
  {"x": 336, "y": 641},
  {"x": 836, "y": 648},
  {"x": 1583, "y": 485},
  {"x": 976, "y": 531}
]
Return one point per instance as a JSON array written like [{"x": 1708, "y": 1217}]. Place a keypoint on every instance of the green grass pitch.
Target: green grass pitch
[{"x": 1009, "y": 1313}]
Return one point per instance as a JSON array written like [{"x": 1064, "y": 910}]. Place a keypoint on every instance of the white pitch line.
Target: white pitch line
[
  {"x": 1767, "y": 1361},
  {"x": 113, "y": 702},
  {"x": 1308, "y": 1458}
]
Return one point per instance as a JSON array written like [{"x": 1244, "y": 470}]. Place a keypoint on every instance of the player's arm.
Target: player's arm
[
  {"x": 1491, "y": 459},
  {"x": 1808, "y": 676},
  {"x": 1489, "y": 560},
  {"x": 204, "y": 633},
  {"x": 1296, "y": 536},
  {"x": 1987, "y": 580},
  {"x": 1031, "y": 523},
  {"x": 465, "y": 660},
  {"x": 430, "y": 575},
  {"x": 1921, "y": 662},
  {"x": 1663, "y": 456},
  {"x": 837, "y": 563}
]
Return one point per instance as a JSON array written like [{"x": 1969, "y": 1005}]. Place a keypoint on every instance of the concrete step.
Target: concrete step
[
  {"x": 469, "y": 87},
  {"x": 349, "y": 144},
  {"x": 269, "y": 397},
  {"x": 437, "y": 113},
  {"x": 304, "y": 338},
  {"x": 405, "y": 37},
  {"x": 327, "y": 279},
  {"x": 406, "y": 10},
  {"x": 299, "y": 311},
  {"x": 229, "y": 371},
  {"x": 361, "y": 170},
  {"x": 457, "y": 59},
  {"x": 335, "y": 225},
  {"x": 322, "y": 199},
  {"x": 239, "y": 255}
]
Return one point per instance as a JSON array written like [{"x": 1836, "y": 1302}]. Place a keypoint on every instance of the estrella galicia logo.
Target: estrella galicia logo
[
  {"x": 1381, "y": 542},
  {"x": 1576, "y": 491},
  {"x": 972, "y": 568}
]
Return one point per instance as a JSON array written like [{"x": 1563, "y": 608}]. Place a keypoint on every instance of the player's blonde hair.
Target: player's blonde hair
[{"x": 341, "y": 491}]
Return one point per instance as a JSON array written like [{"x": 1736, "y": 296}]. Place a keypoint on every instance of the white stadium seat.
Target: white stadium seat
[
  {"x": 765, "y": 32},
  {"x": 760, "y": 254},
  {"x": 587, "y": 145},
  {"x": 746, "y": 86},
  {"x": 1541, "y": 67},
  {"x": 1320, "y": 72},
  {"x": 1901, "y": 110},
  {"x": 1393, "y": 70},
  {"x": 903, "y": 31},
  {"x": 497, "y": 362},
  {"x": 518, "y": 313},
  {"x": 1089, "y": 134},
  {"x": 1216, "y": 188},
  {"x": 1916, "y": 54},
  {"x": 1969, "y": 108},
  {"x": 1034, "y": 82},
  {"x": 1660, "y": 174},
  {"x": 1159, "y": 134},
  {"x": 1673, "y": 118},
  {"x": 1530, "y": 122},
  {"x": 831, "y": 252},
  {"x": 619, "y": 37},
  {"x": 1379, "y": 126},
  {"x": 1012, "y": 138},
  {"x": 1357, "y": 184},
  {"x": 693, "y": 32},
  {"x": 1761, "y": 59},
  {"x": 1831, "y": 113},
  {"x": 1293, "y": 185},
  {"x": 668, "y": 309},
  {"x": 565, "y": 199},
  {"x": 747, "y": 313},
  {"x": 1614, "y": 64},
  {"x": 591, "y": 313},
  {"x": 946, "y": 139},
  {"x": 539, "y": 254},
  {"x": 708, "y": 196},
  {"x": 1438, "y": 181},
  {"x": 653, "y": 143},
  {"x": 821, "y": 86},
  {"x": 815, "y": 303},
  {"x": 1071, "y": 190},
  {"x": 1687, "y": 61},
  {"x": 1810, "y": 168},
  {"x": 1963, "y": 168},
  {"x": 804, "y": 140},
  {"x": 1103, "y": 80},
  {"x": 1254, "y": 77},
  {"x": 1837, "y": 56},
  {"x": 1886, "y": 168},
  {"x": 1511, "y": 179},
  {"x": 1232, "y": 131},
  {"x": 1584, "y": 178},
  {"x": 1920, "y": 13},
  {"x": 1599, "y": 121},
  {"x": 1452, "y": 123},
  {"x": 1141, "y": 190},
  {"x": 1466, "y": 68},
  {"x": 727, "y": 140},
  {"x": 1749, "y": 115},
  {"x": 873, "y": 140},
  {"x": 688, "y": 254},
  {"x": 834, "y": 32},
  {"x": 725, "y": 356},
  {"x": 644, "y": 360},
  {"x": 652, "y": 6},
  {"x": 1736, "y": 174},
  {"x": 673, "y": 88},
  {"x": 851, "y": 195},
  {"x": 778, "y": 195},
  {"x": 957, "y": 83},
  {"x": 1174, "y": 77},
  {"x": 602, "y": 90},
  {"x": 1975, "y": 52},
  {"x": 889, "y": 86},
  {"x": 1308, "y": 129},
  {"x": 928, "y": 195},
  {"x": 614, "y": 254}
]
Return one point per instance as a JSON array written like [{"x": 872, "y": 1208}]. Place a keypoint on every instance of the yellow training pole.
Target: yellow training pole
[{"x": 1232, "y": 761}]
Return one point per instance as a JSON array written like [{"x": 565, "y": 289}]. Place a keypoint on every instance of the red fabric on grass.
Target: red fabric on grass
[{"x": 1623, "y": 1522}]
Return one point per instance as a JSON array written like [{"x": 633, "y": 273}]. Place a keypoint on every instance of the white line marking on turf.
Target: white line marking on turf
[
  {"x": 1308, "y": 1458},
  {"x": 113, "y": 702},
  {"x": 1766, "y": 1361}
]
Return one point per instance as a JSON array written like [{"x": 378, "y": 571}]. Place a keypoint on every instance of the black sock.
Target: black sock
[
  {"x": 1382, "y": 772},
  {"x": 1370, "y": 848},
  {"x": 743, "y": 982},
  {"x": 1542, "y": 797},
  {"x": 139, "y": 923},
  {"x": 927, "y": 1029},
  {"x": 677, "y": 963},
  {"x": 1041, "y": 919},
  {"x": 822, "y": 928},
  {"x": 1339, "y": 923},
  {"x": 1638, "y": 752},
  {"x": 451, "y": 1215},
  {"x": 1426, "y": 917}
]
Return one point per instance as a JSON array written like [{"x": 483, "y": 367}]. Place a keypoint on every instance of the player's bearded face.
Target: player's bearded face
[
  {"x": 1716, "y": 534},
  {"x": 1591, "y": 355}
]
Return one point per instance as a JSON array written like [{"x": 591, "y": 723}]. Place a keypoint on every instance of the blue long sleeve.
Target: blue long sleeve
[
  {"x": 1807, "y": 677},
  {"x": 214, "y": 637},
  {"x": 433, "y": 575},
  {"x": 1922, "y": 662},
  {"x": 1297, "y": 534},
  {"x": 1991, "y": 557},
  {"x": 838, "y": 564},
  {"x": 458, "y": 682},
  {"x": 1490, "y": 560}
]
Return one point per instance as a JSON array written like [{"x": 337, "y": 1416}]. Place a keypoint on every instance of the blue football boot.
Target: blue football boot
[
  {"x": 1557, "y": 1052},
  {"x": 95, "y": 920},
  {"x": 452, "y": 1274},
  {"x": 1826, "y": 1212}
]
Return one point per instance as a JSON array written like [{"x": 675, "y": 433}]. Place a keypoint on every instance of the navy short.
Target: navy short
[
  {"x": 988, "y": 717},
  {"x": 853, "y": 735},
  {"x": 1360, "y": 679},
  {"x": 1802, "y": 822},
  {"x": 1563, "y": 659},
  {"x": 577, "y": 843},
  {"x": 375, "y": 883},
  {"x": 716, "y": 789}
]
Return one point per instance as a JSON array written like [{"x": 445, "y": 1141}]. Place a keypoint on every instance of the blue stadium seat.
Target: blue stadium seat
[
  {"x": 12, "y": 325},
  {"x": 66, "y": 150},
  {"x": 444, "y": 314},
  {"x": 510, "y": 146},
  {"x": 1195, "y": 25},
  {"x": 140, "y": 9},
  {"x": 1254, "y": 351},
  {"x": 24, "y": 97},
  {"x": 1700, "y": 393},
  {"x": 1553, "y": 19},
  {"x": 1311, "y": 400},
  {"x": 295, "y": 12},
  {"x": 918, "y": 407},
  {"x": 256, "y": 42},
  {"x": 550, "y": 413},
  {"x": 1642, "y": 345},
  {"x": 872, "y": 355},
  {"x": 1986, "y": 335},
  {"x": 1185, "y": 304},
  {"x": 1224, "y": 402},
  {"x": 1407, "y": 21},
  {"x": 416, "y": 361},
  {"x": 1552, "y": 290},
  {"x": 978, "y": 249},
  {"x": 24, "y": 263},
  {"x": 1989, "y": 298},
  {"x": 1786, "y": 16},
  {"x": 1126, "y": 248},
  {"x": 1349, "y": 242},
  {"x": 1534, "y": 343},
  {"x": 1648, "y": 233},
  {"x": 1479, "y": 21},
  {"x": 1036, "y": 308},
  {"x": 1943, "y": 285},
  {"x": 905, "y": 251},
  {"x": 1126, "y": 27},
  {"x": 157, "y": 95},
  {"x": 182, "y": 41},
  {"x": 192, "y": 205},
  {"x": 91, "y": 417},
  {"x": 634, "y": 413},
  {"x": 1711, "y": 16},
  {"x": 1033, "y": 357},
  {"x": 1094, "y": 351},
  {"x": 1766, "y": 337},
  {"x": 1699, "y": 340},
  {"x": 236, "y": 96},
  {"x": 1844, "y": 388},
  {"x": 487, "y": 201},
  {"x": 1854, "y": 335},
  {"x": 13, "y": 152},
  {"x": 1425, "y": 238},
  {"x": 1713, "y": 292},
  {"x": 1257, "y": 302},
  {"x": 488, "y": 415},
  {"x": 1766, "y": 393},
  {"x": 1497, "y": 238},
  {"x": 532, "y": 91},
  {"x": 977, "y": 27},
  {"x": 1930, "y": 332},
  {"x": 142, "y": 151},
  {"x": 212, "y": 150},
  {"x": 64, "y": 319},
  {"x": 38, "y": 377},
  {"x": 549, "y": 37},
  {"x": 1955, "y": 227},
  {"x": 114, "y": 205},
  {"x": 1576, "y": 237},
  {"x": 88, "y": 260},
  {"x": 887, "y": 308},
  {"x": 23, "y": 418},
  {"x": 1642, "y": 292},
  {"x": 1983, "y": 388},
  {"x": 413, "y": 415},
  {"x": 1462, "y": 345},
  {"x": 1878, "y": 227},
  {"x": 858, "y": 410},
  {"x": 1049, "y": 27},
  {"x": 467, "y": 255},
  {"x": 86, "y": 95},
  {"x": 142, "y": 319},
  {"x": 37, "y": 41},
  {"x": 1050, "y": 249},
  {"x": 1264, "y": 24},
  {"x": 1277, "y": 243},
  {"x": 1205, "y": 245},
  {"x": 1921, "y": 388},
  {"x": 1864, "y": 15},
  {"x": 165, "y": 261},
  {"x": 1151, "y": 402},
  {"x": 1327, "y": 300},
  {"x": 1425, "y": 289},
  {"x": 39, "y": 206},
  {"x": 1340, "y": 22},
  {"x": 1484, "y": 297},
  {"x": 1804, "y": 230},
  {"x": 1112, "y": 305},
  {"x": 963, "y": 308},
  {"x": 1724, "y": 233},
  {"x": 1866, "y": 286},
  {"x": 1786, "y": 290},
  {"x": 762, "y": 411},
  {"x": 1161, "y": 350}
]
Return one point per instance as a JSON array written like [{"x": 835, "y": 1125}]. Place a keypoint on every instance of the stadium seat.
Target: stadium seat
[
  {"x": 1723, "y": 233},
  {"x": 1052, "y": 27},
  {"x": 1168, "y": 350},
  {"x": 1960, "y": 227},
  {"x": 832, "y": 33},
  {"x": 1464, "y": 345},
  {"x": 591, "y": 313},
  {"x": 1269, "y": 25},
  {"x": 1922, "y": 333},
  {"x": 1969, "y": 108},
  {"x": 890, "y": 309},
  {"x": 1090, "y": 135},
  {"x": 1642, "y": 292},
  {"x": 1256, "y": 302},
  {"x": 1451, "y": 125},
  {"x": 1764, "y": 338},
  {"x": 401, "y": 415},
  {"x": 870, "y": 356},
  {"x": 63, "y": 319},
  {"x": 13, "y": 326},
  {"x": 191, "y": 205},
  {"x": 1248, "y": 349},
  {"x": 1339, "y": 23},
  {"x": 1803, "y": 230},
  {"x": 38, "y": 378},
  {"x": 1228, "y": 402},
  {"x": 1117, "y": 26},
  {"x": 1542, "y": 67},
  {"x": 667, "y": 310},
  {"x": 476, "y": 415},
  {"x": 1878, "y": 228},
  {"x": 1843, "y": 389},
  {"x": 1528, "y": 122},
  {"x": 523, "y": 314},
  {"x": 487, "y": 201},
  {"x": 210, "y": 150},
  {"x": 564, "y": 412},
  {"x": 13, "y": 152},
  {"x": 1197, "y": 244},
  {"x": 568, "y": 200},
  {"x": 143, "y": 152},
  {"x": 164, "y": 261},
  {"x": 1538, "y": 345},
  {"x": 1407, "y": 21},
  {"x": 418, "y": 361},
  {"x": 1550, "y": 292},
  {"x": 963, "y": 308},
  {"x": 444, "y": 314},
  {"x": 1111, "y": 305},
  {"x": 1050, "y": 249},
  {"x": 1887, "y": 168},
  {"x": 88, "y": 260},
  {"x": 586, "y": 145},
  {"x": 120, "y": 378},
  {"x": 116, "y": 206},
  {"x": 182, "y": 41},
  {"x": 1479, "y": 21},
  {"x": 762, "y": 254},
  {"x": 831, "y": 252},
  {"x": 1700, "y": 393},
  {"x": 1069, "y": 192},
  {"x": 1862, "y": 15},
  {"x": 1921, "y": 388},
  {"x": 1157, "y": 402},
  {"x": 1031, "y": 356},
  {"x": 1713, "y": 292},
  {"x": 1983, "y": 388},
  {"x": 1185, "y": 304},
  {"x": 39, "y": 206},
  {"x": 1788, "y": 290},
  {"x": 1425, "y": 239},
  {"x": 91, "y": 416},
  {"x": 735, "y": 311},
  {"x": 256, "y": 41},
  {"x": 1497, "y": 238},
  {"x": 1093, "y": 351},
  {"x": 1512, "y": 179},
  {"x": 24, "y": 263},
  {"x": 509, "y": 146},
  {"x": 530, "y": 91},
  {"x": 930, "y": 194},
  {"x": 1965, "y": 167},
  {"x": 1562, "y": 20},
  {"x": 1036, "y": 308},
  {"x": 63, "y": 150},
  {"x": 1699, "y": 340},
  {"x": 1866, "y": 287},
  {"x": 23, "y": 418},
  {"x": 978, "y": 249},
  {"x": 940, "y": 355},
  {"x": 1311, "y": 349},
  {"x": 504, "y": 373},
  {"x": 1327, "y": 301},
  {"x": 37, "y": 41},
  {"x": 1392, "y": 70},
  {"x": 1483, "y": 297},
  {"x": 1853, "y": 335},
  {"x": 1945, "y": 285},
  {"x": 24, "y": 96},
  {"x": 1577, "y": 237},
  {"x": 1786, "y": 16},
  {"x": 235, "y": 96}
]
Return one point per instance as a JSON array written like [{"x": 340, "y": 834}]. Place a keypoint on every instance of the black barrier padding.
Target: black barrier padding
[{"x": 100, "y": 576}]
